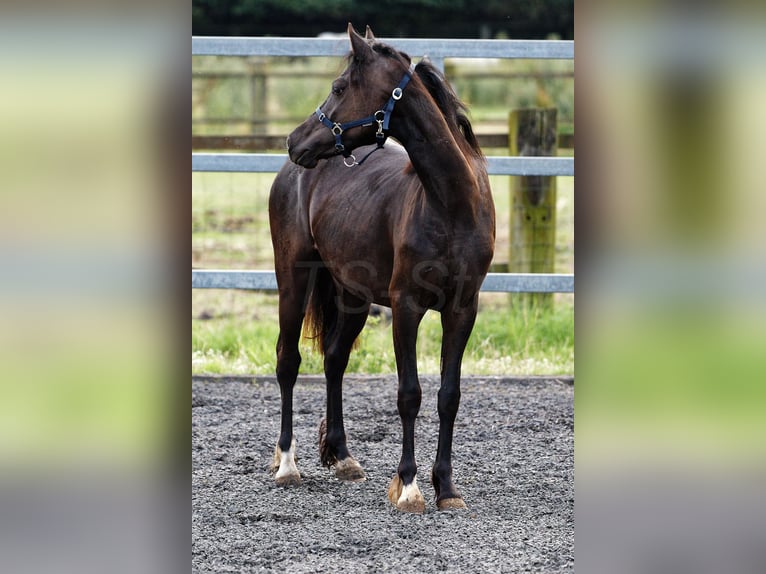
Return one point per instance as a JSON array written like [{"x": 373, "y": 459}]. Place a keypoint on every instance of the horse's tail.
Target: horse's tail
[{"x": 321, "y": 309}]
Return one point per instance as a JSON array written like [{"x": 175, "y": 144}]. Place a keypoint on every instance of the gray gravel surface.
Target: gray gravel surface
[{"x": 513, "y": 461}]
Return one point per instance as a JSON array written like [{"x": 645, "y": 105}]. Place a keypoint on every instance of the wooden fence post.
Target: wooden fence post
[{"x": 532, "y": 132}]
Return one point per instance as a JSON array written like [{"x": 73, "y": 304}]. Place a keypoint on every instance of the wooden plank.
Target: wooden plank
[{"x": 244, "y": 143}]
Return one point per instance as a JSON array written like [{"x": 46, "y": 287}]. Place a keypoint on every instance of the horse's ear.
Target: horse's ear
[
  {"x": 368, "y": 35},
  {"x": 359, "y": 46}
]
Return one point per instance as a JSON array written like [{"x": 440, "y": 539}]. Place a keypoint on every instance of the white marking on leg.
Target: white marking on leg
[
  {"x": 287, "y": 472},
  {"x": 410, "y": 494}
]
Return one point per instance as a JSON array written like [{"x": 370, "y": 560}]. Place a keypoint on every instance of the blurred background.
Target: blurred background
[
  {"x": 89, "y": 418},
  {"x": 671, "y": 329}
]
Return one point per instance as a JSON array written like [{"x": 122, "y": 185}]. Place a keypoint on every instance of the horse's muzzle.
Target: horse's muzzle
[
  {"x": 308, "y": 143},
  {"x": 303, "y": 156}
]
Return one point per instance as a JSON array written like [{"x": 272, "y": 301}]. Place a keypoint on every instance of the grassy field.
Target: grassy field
[{"x": 239, "y": 331}]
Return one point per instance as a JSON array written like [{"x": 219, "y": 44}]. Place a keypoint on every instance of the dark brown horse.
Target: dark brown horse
[{"x": 410, "y": 227}]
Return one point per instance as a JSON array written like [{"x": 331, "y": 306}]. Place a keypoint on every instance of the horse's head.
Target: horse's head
[{"x": 364, "y": 88}]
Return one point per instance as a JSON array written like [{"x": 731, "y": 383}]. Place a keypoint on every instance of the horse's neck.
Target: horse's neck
[{"x": 446, "y": 173}]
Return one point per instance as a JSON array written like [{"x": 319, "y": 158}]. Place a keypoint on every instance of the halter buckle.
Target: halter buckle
[{"x": 336, "y": 129}]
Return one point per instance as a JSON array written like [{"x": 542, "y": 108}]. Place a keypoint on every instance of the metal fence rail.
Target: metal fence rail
[
  {"x": 270, "y": 162},
  {"x": 436, "y": 50},
  {"x": 495, "y": 282},
  {"x": 433, "y": 48}
]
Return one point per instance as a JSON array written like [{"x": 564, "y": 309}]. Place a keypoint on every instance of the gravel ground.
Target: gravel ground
[{"x": 513, "y": 461}]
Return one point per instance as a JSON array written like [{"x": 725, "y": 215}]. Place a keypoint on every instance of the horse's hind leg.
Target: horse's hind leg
[
  {"x": 457, "y": 324},
  {"x": 352, "y": 315},
  {"x": 292, "y": 296}
]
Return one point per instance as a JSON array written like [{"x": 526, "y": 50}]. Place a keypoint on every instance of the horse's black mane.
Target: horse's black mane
[{"x": 454, "y": 110}]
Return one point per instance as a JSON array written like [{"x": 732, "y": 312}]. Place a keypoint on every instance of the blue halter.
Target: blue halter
[{"x": 382, "y": 117}]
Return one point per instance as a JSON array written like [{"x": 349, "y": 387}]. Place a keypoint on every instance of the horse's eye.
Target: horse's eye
[
  {"x": 338, "y": 87},
  {"x": 337, "y": 91}
]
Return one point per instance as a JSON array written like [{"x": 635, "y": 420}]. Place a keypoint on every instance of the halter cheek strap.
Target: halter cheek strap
[{"x": 382, "y": 117}]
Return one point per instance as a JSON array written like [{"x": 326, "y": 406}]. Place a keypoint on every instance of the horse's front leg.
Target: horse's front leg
[
  {"x": 403, "y": 491},
  {"x": 288, "y": 362},
  {"x": 457, "y": 324}
]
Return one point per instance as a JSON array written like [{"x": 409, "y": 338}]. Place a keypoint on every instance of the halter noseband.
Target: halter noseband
[{"x": 382, "y": 117}]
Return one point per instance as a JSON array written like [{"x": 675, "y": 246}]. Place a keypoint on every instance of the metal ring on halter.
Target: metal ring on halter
[
  {"x": 338, "y": 128},
  {"x": 353, "y": 161},
  {"x": 379, "y": 132},
  {"x": 397, "y": 94}
]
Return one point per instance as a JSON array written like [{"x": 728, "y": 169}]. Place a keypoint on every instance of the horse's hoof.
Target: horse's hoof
[
  {"x": 349, "y": 470},
  {"x": 406, "y": 498},
  {"x": 293, "y": 479},
  {"x": 450, "y": 504}
]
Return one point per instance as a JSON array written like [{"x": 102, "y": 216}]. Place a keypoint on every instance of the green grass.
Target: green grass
[
  {"x": 241, "y": 337},
  {"x": 676, "y": 382},
  {"x": 83, "y": 382}
]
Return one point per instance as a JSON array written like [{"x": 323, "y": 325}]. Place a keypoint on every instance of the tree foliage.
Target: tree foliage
[{"x": 389, "y": 18}]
